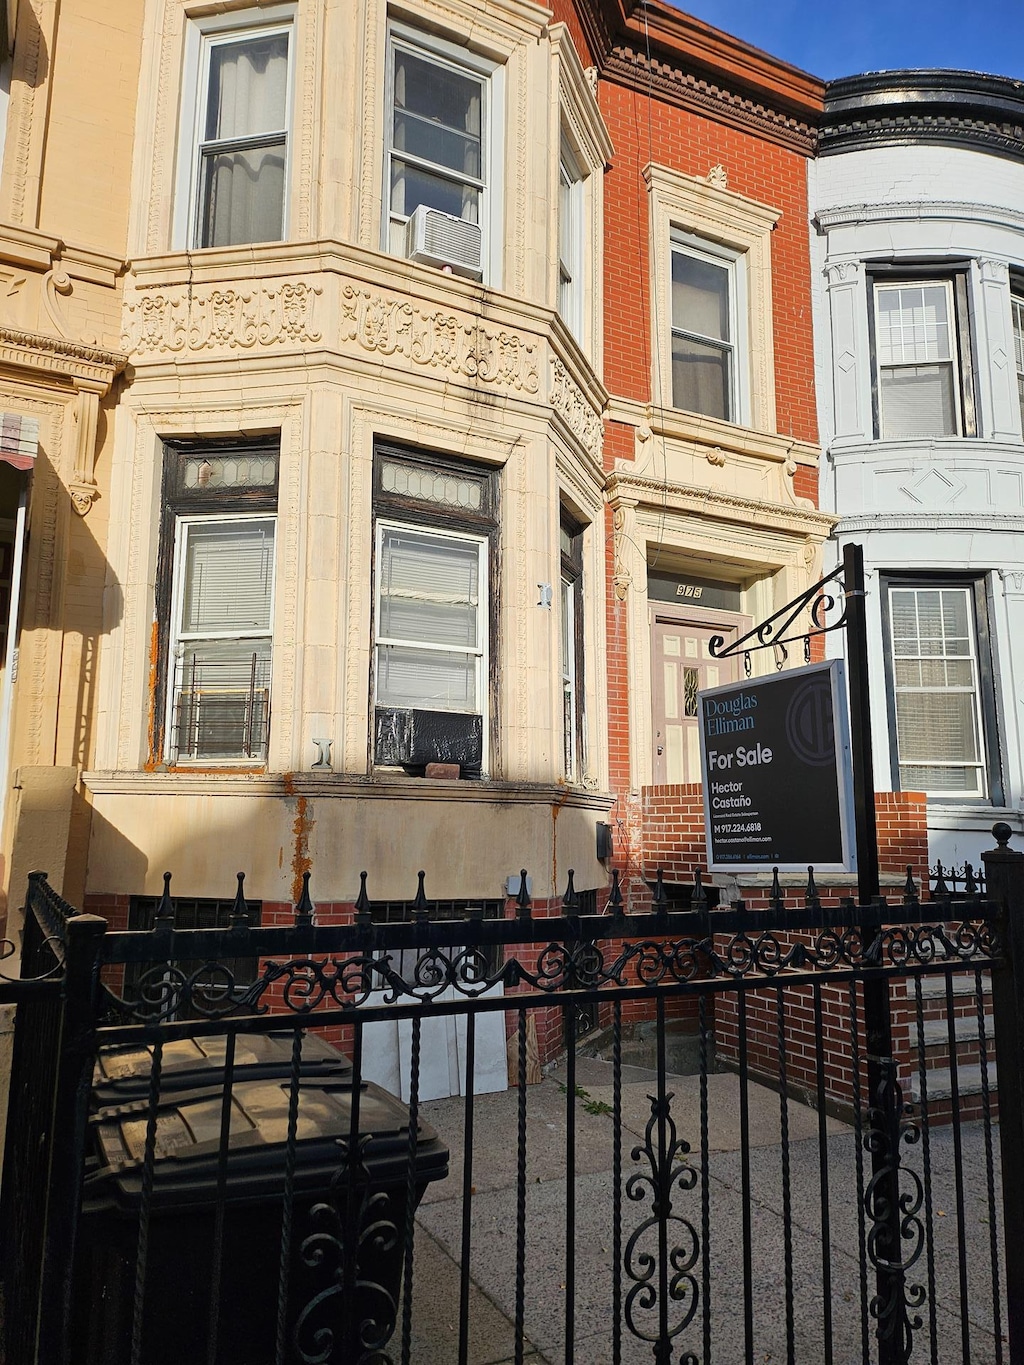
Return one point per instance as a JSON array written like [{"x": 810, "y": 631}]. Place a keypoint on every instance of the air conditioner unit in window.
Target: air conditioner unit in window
[{"x": 441, "y": 239}]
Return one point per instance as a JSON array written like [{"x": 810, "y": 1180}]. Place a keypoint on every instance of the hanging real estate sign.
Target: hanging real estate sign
[{"x": 778, "y": 782}]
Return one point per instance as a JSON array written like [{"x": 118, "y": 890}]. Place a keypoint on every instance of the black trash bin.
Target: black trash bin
[
  {"x": 328, "y": 1188},
  {"x": 122, "y": 1074}
]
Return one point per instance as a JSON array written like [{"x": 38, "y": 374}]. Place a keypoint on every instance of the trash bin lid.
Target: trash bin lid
[
  {"x": 188, "y": 1139},
  {"x": 122, "y": 1073}
]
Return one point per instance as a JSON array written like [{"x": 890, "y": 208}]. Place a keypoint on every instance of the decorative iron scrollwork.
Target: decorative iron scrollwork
[
  {"x": 662, "y": 1278},
  {"x": 893, "y": 1201},
  {"x": 303, "y": 985},
  {"x": 352, "y": 1316}
]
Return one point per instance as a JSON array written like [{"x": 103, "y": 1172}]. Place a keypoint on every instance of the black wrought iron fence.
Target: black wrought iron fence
[{"x": 251, "y": 1196}]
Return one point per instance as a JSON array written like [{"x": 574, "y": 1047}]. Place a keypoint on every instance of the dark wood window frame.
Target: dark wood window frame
[
  {"x": 572, "y": 573},
  {"x": 178, "y": 501},
  {"x": 420, "y": 514}
]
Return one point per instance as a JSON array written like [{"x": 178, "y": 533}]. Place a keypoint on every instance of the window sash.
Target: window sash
[
  {"x": 570, "y": 244},
  {"x": 220, "y": 658},
  {"x": 940, "y": 734},
  {"x": 702, "y": 345},
  {"x": 1017, "y": 312},
  {"x": 239, "y": 178},
  {"x": 430, "y": 632},
  {"x": 415, "y": 177},
  {"x": 919, "y": 382}
]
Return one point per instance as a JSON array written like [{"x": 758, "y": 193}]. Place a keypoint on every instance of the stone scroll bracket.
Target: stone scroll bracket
[{"x": 82, "y": 484}]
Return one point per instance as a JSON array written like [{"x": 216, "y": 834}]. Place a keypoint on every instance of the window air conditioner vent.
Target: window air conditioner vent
[
  {"x": 441, "y": 239},
  {"x": 412, "y": 739}
]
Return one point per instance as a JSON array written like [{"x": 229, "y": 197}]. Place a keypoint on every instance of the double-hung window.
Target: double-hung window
[
  {"x": 708, "y": 335},
  {"x": 941, "y": 689},
  {"x": 235, "y": 133},
  {"x": 570, "y": 243},
  {"x": 216, "y": 603},
  {"x": 571, "y": 631},
  {"x": 1017, "y": 309},
  {"x": 438, "y": 172},
  {"x": 922, "y": 357},
  {"x": 435, "y": 522}
]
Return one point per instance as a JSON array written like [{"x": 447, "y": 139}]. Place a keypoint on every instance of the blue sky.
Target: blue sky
[{"x": 830, "y": 40}]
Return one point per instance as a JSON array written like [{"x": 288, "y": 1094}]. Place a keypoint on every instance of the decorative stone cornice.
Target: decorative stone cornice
[
  {"x": 949, "y": 108},
  {"x": 629, "y": 64},
  {"x": 59, "y": 356},
  {"x": 626, "y": 488},
  {"x": 951, "y": 210},
  {"x": 932, "y": 521},
  {"x": 340, "y": 785},
  {"x": 711, "y": 436},
  {"x": 440, "y": 341}
]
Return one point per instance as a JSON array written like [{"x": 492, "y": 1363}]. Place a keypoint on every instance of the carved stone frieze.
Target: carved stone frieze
[
  {"x": 568, "y": 400},
  {"x": 439, "y": 341},
  {"x": 233, "y": 318}
]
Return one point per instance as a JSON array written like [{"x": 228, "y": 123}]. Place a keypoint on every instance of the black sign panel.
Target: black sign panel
[
  {"x": 778, "y": 789},
  {"x": 693, "y": 592}
]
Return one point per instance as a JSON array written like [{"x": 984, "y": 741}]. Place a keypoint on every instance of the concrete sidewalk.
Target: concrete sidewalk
[{"x": 492, "y": 1261}]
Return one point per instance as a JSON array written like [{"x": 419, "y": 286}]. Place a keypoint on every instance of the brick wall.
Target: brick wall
[{"x": 644, "y": 131}]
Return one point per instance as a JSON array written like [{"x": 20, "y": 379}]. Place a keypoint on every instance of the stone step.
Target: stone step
[
  {"x": 936, "y": 1034},
  {"x": 933, "y": 987},
  {"x": 940, "y": 1083}
]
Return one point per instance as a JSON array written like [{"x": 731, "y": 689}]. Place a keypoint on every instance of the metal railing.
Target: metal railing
[{"x": 612, "y": 1197}]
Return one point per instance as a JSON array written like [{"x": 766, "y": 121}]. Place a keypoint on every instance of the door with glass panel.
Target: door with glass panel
[{"x": 681, "y": 665}]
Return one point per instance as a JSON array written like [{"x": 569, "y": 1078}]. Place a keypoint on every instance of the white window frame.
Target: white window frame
[
  {"x": 1017, "y": 320},
  {"x": 720, "y": 220},
  {"x": 201, "y": 36},
  {"x": 882, "y": 286},
  {"x": 178, "y": 639},
  {"x": 734, "y": 262},
  {"x": 571, "y": 260},
  {"x": 431, "y": 48},
  {"x": 480, "y": 652},
  {"x": 983, "y": 762}
]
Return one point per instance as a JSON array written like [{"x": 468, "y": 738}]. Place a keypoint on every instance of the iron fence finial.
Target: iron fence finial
[
  {"x": 523, "y": 896},
  {"x": 239, "y": 910},
  {"x": 304, "y": 907},
  {"x": 362, "y": 906},
  {"x": 775, "y": 894},
  {"x": 420, "y": 908},
  {"x": 910, "y": 887},
  {"x": 615, "y": 896},
  {"x": 570, "y": 901},
  {"x": 164, "y": 917},
  {"x": 699, "y": 900}
]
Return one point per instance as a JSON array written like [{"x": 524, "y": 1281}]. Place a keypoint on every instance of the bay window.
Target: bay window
[
  {"x": 923, "y": 371},
  {"x": 433, "y": 611},
  {"x": 216, "y": 604}
]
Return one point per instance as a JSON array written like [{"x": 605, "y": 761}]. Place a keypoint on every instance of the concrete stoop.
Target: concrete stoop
[{"x": 640, "y": 1047}]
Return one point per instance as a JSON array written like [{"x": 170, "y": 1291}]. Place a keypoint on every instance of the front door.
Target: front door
[{"x": 681, "y": 665}]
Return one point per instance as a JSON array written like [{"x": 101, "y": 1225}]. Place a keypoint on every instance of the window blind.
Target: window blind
[{"x": 228, "y": 577}]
